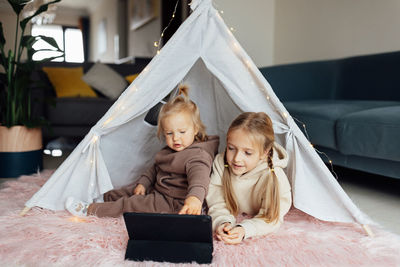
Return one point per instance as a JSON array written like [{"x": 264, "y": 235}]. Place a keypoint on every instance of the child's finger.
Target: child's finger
[
  {"x": 233, "y": 235},
  {"x": 183, "y": 210},
  {"x": 227, "y": 227}
]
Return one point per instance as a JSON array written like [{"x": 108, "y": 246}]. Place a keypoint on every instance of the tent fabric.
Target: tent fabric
[{"x": 224, "y": 82}]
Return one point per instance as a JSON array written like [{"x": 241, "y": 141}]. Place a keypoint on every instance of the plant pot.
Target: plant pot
[{"x": 20, "y": 151}]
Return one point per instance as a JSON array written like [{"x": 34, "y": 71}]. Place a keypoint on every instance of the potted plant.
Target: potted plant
[{"x": 20, "y": 131}]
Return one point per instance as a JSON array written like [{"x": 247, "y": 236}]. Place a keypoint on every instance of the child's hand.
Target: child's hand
[
  {"x": 223, "y": 230},
  {"x": 230, "y": 235},
  {"x": 192, "y": 206},
  {"x": 139, "y": 190}
]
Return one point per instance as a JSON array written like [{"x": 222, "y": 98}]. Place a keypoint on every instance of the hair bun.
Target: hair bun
[{"x": 183, "y": 90}]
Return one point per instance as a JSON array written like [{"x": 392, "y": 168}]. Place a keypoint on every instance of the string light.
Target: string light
[
  {"x": 76, "y": 219},
  {"x": 158, "y": 43},
  {"x": 319, "y": 152}
]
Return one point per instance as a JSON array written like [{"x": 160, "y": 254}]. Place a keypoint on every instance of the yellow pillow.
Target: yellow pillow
[
  {"x": 68, "y": 82},
  {"x": 132, "y": 77}
]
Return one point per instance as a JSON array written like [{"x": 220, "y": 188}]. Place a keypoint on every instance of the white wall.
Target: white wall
[
  {"x": 67, "y": 16},
  {"x": 253, "y": 22},
  {"x": 9, "y": 21},
  {"x": 106, "y": 9},
  {"x": 308, "y": 30},
  {"x": 141, "y": 40}
]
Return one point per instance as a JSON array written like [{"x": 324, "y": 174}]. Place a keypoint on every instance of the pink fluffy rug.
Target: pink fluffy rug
[{"x": 47, "y": 238}]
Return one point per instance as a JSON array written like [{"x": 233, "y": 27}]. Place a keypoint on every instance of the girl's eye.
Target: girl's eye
[
  {"x": 249, "y": 153},
  {"x": 168, "y": 133},
  {"x": 182, "y": 132},
  {"x": 231, "y": 148}
]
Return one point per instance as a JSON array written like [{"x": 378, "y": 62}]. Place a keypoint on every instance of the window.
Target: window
[{"x": 68, "y": 39}]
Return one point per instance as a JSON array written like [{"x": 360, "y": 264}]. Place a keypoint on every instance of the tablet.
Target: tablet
[{"x": 169, "y": 237}]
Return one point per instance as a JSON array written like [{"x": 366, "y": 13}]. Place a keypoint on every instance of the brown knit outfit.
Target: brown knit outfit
[{"x": 173, "y": 177}]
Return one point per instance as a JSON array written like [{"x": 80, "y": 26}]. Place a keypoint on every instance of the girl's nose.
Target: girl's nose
[
  {"x": 236, "y": 157},
  {"x": 175, "y": 137}
]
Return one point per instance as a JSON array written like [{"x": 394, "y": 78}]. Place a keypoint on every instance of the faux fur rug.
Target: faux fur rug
[{"x": 47, "y": 238}]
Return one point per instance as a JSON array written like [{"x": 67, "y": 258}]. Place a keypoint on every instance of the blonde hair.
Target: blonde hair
[
  {"x": 259, "y": 127},
  {"x": 182, "y": 103}
]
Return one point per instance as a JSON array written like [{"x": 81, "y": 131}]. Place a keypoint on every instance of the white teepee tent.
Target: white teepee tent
[{"x": 224, "y": 82}]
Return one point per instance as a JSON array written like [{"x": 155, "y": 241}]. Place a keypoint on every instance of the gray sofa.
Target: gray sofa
[
  {"x": 350, "y": 106},
  {"x": 73, "y": 117}
]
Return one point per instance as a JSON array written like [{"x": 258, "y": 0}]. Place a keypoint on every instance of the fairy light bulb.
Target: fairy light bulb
[
  {"x": 107, "y": 121},
  {"x": 222, "y": 12},
  {"x": 157, "y": 44}
]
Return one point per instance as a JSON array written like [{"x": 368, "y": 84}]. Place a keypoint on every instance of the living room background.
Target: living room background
[{"x": 271, "y": 31}]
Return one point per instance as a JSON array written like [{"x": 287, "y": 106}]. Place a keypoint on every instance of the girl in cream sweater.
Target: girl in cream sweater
[{"x": 249, "y": 178}]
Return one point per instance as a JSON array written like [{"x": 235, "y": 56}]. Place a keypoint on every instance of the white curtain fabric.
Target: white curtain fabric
[{"x": 224, "y": 82}]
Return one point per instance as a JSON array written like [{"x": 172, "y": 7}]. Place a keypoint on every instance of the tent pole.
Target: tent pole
[
  {"x": 368, "y": 230},
  {"x": 24, "y": 211}
]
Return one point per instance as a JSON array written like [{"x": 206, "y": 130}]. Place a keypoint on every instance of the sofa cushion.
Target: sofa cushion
[
  {"x": 78, "y": 111},
  {"x": 106, "y": 80},
  {"x": 371, "y": 77},
  {"x": 373, "y": 133},
  {"x": 303, "y": 81},
  {"x": 67, "y": 82},
  {"x": 320, "y": 116}
]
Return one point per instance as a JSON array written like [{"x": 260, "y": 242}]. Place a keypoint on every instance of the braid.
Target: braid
[
  {"x": 270, "y": 154},
  {"x": 272, "y": 204}
]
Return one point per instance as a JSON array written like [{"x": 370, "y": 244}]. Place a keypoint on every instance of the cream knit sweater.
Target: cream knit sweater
[{"x": 248, "y": 189}]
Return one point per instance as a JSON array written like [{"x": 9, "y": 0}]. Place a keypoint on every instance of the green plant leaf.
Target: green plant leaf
[
  {"x": 49, "y": 59},
  {"x": 3, "y": 57},
  {"x": 18, "y": 5},
  {"x": 27, "y": 40},
  {"x": 41, "y": 9},
  {"x": 50, "y": 40}
]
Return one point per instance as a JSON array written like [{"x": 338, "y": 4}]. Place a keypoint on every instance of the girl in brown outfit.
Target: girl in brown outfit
[{"x": 178, "y": 181}]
